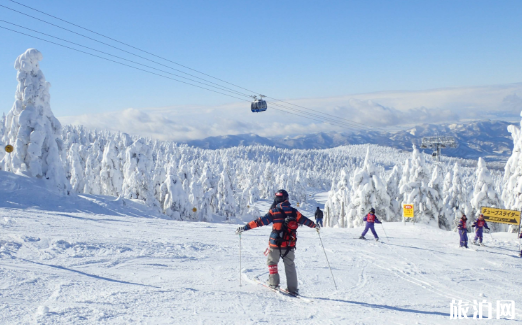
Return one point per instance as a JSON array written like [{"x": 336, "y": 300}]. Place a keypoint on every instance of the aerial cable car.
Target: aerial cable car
[{"x": 258, "y": 105}]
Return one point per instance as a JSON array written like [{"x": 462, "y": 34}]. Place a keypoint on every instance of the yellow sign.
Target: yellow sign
[
  {"x": 511, "y": 217},
  {"x": 9, "y": 148},
  {"x": 407, "y": 211},
  {"x": 194, "y": 209}
]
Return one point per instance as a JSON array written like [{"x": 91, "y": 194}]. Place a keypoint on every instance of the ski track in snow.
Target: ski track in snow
[{"x": 91, "y": 261}]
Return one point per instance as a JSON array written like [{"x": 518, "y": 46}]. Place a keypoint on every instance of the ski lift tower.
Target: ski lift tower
[{"x": 437, "y": 143}]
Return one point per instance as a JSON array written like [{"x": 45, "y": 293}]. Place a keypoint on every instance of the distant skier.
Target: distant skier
[
  {"x": 480, "y": 224},
  {"x": 463, "y": 231},
  {"x": 319, "y": 217},
  {"x": 282, "y": 238},
  {"x": 371, "y": 220}
]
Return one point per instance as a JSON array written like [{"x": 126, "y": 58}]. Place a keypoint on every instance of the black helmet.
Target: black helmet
[
  {"x": 372, "y": 210},
  {"x": 281, "y": 196}
]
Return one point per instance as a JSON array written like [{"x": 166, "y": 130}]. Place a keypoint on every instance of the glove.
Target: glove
[
  {"x": 240, "y": 230},
  {"x": 487, "y": 230},
  {"x": 473, "y": 226}
]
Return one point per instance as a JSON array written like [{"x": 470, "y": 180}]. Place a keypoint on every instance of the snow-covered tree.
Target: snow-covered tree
[
  {"x": 76, "y": 164},
  {"x": 336, "y": 207},
  {"x": 415, "y": 190},
  {"x": 137, "y": 182},
  {"x": 175, "y": 201},
  {"x": 368, "y": 190},
  {"x": 393, "y": 190},
  {"x": 484, "y": 192},
  {"x": 93, "y": 169},
  {"x": 512, "y": 182},
  {"x": 225, "y": 195},
  {"x": 111, "y": 176},
  {"x": 209, "y": 195},
  {"x": 456, "y": 198},
  {"x": 32, "y": 128},
  {"x": 434, "y": 202}
]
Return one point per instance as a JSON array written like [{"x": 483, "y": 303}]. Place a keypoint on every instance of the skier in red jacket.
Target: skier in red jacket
[
  {"x": 480, "y": 224},
  {"x": 371, "y": 220},
  {"x": 282, "y": 238}
]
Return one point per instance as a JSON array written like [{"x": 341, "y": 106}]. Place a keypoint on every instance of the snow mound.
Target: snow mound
[{"x": 18, "y": 191}]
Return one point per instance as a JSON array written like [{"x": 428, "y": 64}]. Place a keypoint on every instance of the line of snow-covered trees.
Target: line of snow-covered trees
[
  {"x": 174, "y": 178},
  {"x": 440, "y": 193}
]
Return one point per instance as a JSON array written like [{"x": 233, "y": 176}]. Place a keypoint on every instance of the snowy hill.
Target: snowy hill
[
  {"x": 92, "y": 260},
  {"x": 488, "y": 139}
]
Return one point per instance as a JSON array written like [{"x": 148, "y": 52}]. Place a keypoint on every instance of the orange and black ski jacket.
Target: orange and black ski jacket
[{"x": 277, "y": 218}]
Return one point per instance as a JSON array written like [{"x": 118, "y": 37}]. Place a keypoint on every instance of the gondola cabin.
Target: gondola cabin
[{"x": 258, "y": 105}]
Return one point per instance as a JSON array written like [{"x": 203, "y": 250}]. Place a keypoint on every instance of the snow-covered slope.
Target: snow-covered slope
[
  {"x": 92, "y": 260},
  {"x": 487, "y": 139}
]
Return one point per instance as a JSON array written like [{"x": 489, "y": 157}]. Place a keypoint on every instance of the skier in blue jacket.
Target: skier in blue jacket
[
  {"x": 371, "y": 220},
  {"x": 463, "y": 231}
]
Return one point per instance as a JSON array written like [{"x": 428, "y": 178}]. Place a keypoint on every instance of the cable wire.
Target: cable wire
[
  {"x": 353, "y": 123},
  {"x": 106, "y": 44},
  {"x": 318, "y": 119}
]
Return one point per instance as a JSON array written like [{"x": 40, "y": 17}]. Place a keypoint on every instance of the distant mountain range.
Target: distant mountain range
[{"x": 487, "y": 139}]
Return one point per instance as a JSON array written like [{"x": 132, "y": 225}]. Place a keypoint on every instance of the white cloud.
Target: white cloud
[{"x": 387, "y": 109}]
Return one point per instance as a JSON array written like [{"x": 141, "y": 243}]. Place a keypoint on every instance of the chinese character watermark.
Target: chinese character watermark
[{"x": 482, "y": 310}]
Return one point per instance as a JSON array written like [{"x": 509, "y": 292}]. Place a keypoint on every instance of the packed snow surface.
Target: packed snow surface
[{"x": 99, "y": 260}]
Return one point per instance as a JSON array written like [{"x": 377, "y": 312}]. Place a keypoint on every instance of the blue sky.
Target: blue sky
[{"x": 286, "y": 49}]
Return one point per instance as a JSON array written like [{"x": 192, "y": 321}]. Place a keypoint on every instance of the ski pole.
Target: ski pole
[
  {"x": 240, "y": 260},
  {"x": 318, "y": 233},
  {"x": 384, "y": 231}
]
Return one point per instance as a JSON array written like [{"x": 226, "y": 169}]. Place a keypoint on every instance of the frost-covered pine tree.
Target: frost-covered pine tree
[
  {"x": 434, "y": 198},
  {"x": 225, "y": 194},
  {"x": 456, "y": 198},
  {"x": 76, "y": 164},
  {"x": 137, "y": 168},
  {"x": 392, "y": 188},
  {"x": 175, "y": 201},
  {"x": 93, "y": 169},
  {"x": 111, "y": 176},
  {"x": 415, "y": 190},
  {"x": 209, "y": 195},
  {"x": 484, "y": 192},
  {"x": 32, "y": 128},
  {"x": 268, "y": 186},
  {"x": 368, "y": 190},
  {"x": 336, "y": 207},
  {"x": 512, "y": 182}
]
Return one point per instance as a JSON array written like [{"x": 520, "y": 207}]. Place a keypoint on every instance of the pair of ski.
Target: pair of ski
[
  {"x": 280, "y": 291},
  {"x": 379, "y": 241}
]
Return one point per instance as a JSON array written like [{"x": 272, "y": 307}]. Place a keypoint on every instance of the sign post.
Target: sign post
[
  {"x": 407, "y": 211},
  {"x": 509, "y": 217}
]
